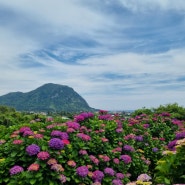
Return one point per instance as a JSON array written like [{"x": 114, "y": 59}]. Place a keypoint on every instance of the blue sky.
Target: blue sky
[{"x": 117, "y": 54}]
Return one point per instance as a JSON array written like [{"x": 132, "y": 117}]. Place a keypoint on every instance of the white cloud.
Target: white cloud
[
  {"x": 112, "y": 75},
  {"x": 147, "y": 5}
]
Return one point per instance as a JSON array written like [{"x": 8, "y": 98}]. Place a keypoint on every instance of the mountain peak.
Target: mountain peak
[{"x": 48, "y": 97}]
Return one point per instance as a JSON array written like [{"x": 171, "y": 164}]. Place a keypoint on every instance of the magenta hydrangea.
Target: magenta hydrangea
[
  {"x": 15, "y": 170},
  {"x": 74, "y": 125},
  {"x": 128, "y": 148},
  {"x": 109, "y": 171},
  {"x": 56, "y": 143},
  {"x": 82, "y": 171},
  {"x": 98, "y": 176},
  {"x": 126, "y": 159},
  {"x": 43, "y": 155},
  {"x": 117, "y": 182},
  {"x": 32, "y": 149}
]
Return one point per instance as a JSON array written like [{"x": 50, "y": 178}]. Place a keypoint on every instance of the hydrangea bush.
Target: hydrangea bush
[{"x": 97, "y": 149}]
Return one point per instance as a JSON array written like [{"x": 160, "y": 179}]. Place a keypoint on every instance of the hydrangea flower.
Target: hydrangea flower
[
  {"x": 32, "y": 149},
  {"x": 71, "y": 163},
  {"x": 82, "y": 171},
  {"x": 56, "y": 143},
  {"x": 120, "y": 175},
  {"x": 144, "y": 177},
  {"x": 98, "y": 176},
  {"x": 73, "y": 125},
  {"x": 128, "y": 148},
  {"x": 117, "y": 182},
  {"x": 23, "y": 129},
  {"x": 126, "y": 158},
  {"x": 83, "y": 152},
  {"x": 62, "y": 178},
  {"x": 52, "y": 161},
  {"x": 15, "y": 170},
  {"x": 34, "y": 167},
  {"x": 17, "y": 142},
  {"x": 155, "y": 149},
  {"x": 109, "y": 171},
  {"x": 43, "y": 155},
  {"x": 57, "y": 167}
]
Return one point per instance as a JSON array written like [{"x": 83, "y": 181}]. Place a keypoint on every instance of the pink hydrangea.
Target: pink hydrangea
[{"x": 43, "y": 155}]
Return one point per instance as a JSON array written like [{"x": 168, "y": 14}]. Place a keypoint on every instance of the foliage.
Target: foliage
[
  {"x": 174, "y": 109},
  {"x": 170, "y": 168},
  {"x": 89, "y": 148}
]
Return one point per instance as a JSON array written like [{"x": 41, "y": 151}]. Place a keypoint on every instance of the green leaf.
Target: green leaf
[
  {"x": 32, "y": 181},
  {"x": 167, "y": 181}
]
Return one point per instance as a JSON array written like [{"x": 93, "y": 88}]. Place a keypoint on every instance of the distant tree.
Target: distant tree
[
  {"x": 174, "y": 109},
  {"x": 143, "y": 110}
]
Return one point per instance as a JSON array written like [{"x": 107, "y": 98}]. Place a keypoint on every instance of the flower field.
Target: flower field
[{"x": 94, "y": 149}]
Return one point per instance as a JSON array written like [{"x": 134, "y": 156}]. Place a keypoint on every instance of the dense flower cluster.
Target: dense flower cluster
[
  {"x": 118, "y": 149},
  {"x": 34, "y": 167},
  {"x": 126, "y": 158},
  {"x": 43, "y": 155},
  {"x": 56, "y": 143},
  {"x": 117, "y": 182},
  {"x": 17, "y": 142},
  {"x": 84, "y": 137},
  {"x": 33, "y": 149},
  {"x": 109, "y": 171},
  {"x": 82, "y": 171},
  {"x": 144, "y": 177},
  {"x": 52, "y": 161},
  {"x": 57, "y": 167},
  {"x": 15, "y": 170},
  {"x": 74, "y": 125},
  {"x": 71, "y": 163},
  {"x": 23, "y": 129},
  {"x": 98, "y": 176},
  {"x": 128, "y": 148},
  {"x": 62, "y": 178},
  {"x": 94, "y": 159}
]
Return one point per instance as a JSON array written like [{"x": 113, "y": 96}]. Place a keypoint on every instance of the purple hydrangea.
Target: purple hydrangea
[
  {"x": 120, "y": 175},
  {"x": 139, "y": 138},
  {"x": 180, "y": 135},
  {"x": 56, "y": 133},
  {"x": 171, "y": 145},
  {"x": 155, "y": 149},
  {"x": 105, "y": 117},
  {"x": 56, "y": 143},
  {"x": 73, "y": 125},
  {"x": 128, "y": 148},
  {"x": 98, "y": 176},
  {"x": 109, "y": 171},
  {"x": 79, "y": 118},
  {"x": 84, "y": 137},
  {"x": 28, "y": 133},
  {"x": 126, "y": 158},
  {"x": 82, "y": 171},
  {"x": 32, "y": 149},
  {"x": 16, "y": 169},
  {"x": 117, "y": 182},
  {"x": 64, "y": 135}
]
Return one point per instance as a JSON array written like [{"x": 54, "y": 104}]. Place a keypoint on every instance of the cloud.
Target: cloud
[
  {"x": 148, "y": 5},
  {"x": 116, "y": 54}
]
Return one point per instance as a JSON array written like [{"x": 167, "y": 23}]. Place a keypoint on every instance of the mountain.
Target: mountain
[{"x": 47, "y": 98}]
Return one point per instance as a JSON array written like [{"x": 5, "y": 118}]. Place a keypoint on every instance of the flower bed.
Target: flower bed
[{"x": 90, "y": 149}]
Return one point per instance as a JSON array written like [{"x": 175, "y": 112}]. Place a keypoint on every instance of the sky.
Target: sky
[{"x": 117, "y": 54}]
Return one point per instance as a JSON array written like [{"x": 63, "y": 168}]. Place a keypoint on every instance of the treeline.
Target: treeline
[{"x": 174, "y": 109}]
